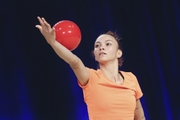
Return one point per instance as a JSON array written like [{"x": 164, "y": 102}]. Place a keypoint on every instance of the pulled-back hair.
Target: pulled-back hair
[{"x": 117, "y": 38}]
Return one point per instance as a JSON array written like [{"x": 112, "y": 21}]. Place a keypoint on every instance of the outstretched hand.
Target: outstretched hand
[{"x": 46, "y": 30}]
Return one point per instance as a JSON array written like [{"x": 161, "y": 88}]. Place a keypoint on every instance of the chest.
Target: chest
[{"x": 103, "y": 96}]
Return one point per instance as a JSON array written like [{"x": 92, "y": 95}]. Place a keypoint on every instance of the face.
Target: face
[{"x": 106, "y": 49}]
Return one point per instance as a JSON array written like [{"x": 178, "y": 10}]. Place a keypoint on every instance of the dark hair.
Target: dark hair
[{"x": 118, "y": 39}]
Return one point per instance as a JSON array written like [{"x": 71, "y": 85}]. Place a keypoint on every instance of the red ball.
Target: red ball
[{"x": 68, "y": 34}]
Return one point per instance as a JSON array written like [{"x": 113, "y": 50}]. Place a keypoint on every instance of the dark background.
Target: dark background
[{"x": 35, "y": 84}]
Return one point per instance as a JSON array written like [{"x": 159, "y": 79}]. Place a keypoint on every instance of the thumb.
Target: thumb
[
  {"x": 53, "y": 31},
  {"x": 39, "y": 27}
]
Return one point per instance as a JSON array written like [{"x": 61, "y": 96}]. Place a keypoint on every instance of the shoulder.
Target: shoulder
[
  {"x": 128, "y": 74},
  {"x": 94, "y": 72},
  {"x": 94, "y": 76},
  {"x": 131, "y": 81}
]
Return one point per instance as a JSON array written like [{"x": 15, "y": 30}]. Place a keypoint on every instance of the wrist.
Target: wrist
[{"x": 52, "y": 42}]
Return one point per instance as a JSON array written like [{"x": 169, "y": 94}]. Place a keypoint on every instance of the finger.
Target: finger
[
  {"x": 39, "y": 27},
  {"x": 40, "y": 20},
  {"x": 53, "y": 30},
  {"x": 43, "y": 19},
  {"x": 46, "y": 23}
]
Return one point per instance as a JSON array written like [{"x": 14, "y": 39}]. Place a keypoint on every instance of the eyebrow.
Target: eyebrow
[{"x": 105, "y": 41}]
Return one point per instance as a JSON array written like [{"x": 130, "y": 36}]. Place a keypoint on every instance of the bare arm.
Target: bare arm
[
  {"x": 139, "y": 113},
  {"x": 76, "y": 64}
]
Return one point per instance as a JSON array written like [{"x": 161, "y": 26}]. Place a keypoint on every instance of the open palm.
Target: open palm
[{"x": 46, "y": 30}]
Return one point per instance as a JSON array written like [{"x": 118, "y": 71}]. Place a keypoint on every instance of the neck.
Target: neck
[{"x": 110, "y": 70}]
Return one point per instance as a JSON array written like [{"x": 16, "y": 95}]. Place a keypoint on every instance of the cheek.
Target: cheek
[
  {"x": 112, "y": 51},
  {"x": 95, "y": 53}
]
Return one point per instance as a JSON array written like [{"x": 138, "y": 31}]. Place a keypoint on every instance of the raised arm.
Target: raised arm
[
  {"x": 75, "y": 63},
  {"x": 139, "y": 113}
]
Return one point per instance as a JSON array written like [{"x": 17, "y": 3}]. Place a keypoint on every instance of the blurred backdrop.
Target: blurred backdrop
[{"x": 35, "y": 84}]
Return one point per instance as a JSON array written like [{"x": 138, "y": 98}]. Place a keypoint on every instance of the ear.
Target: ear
[{"x": 119, "y": 53}]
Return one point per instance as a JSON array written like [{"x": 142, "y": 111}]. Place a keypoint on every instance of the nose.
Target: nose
[{"x": 101, "y": 47}]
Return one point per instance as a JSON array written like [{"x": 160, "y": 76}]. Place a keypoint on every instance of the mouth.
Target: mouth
[{"x": 102, "y": 53}]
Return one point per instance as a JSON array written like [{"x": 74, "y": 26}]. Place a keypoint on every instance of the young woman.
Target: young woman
[{"x": 110, "y": 94}]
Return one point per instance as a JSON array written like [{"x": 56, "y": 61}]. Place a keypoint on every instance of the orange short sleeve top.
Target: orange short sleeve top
[{"x": 107, "y": 100}]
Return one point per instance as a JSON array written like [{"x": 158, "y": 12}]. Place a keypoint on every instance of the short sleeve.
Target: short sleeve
[
  {"x": 139, "y": 93},
  {"x": 89, "y": 83},
  {"x": 138, "y": 90}
]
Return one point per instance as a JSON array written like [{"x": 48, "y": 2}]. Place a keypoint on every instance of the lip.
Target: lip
[{"x": 102, "y": 53}]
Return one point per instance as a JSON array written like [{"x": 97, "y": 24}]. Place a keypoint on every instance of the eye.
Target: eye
[
  {"x": 108, "y": 44},
  {"x": 96, "y": 46}
]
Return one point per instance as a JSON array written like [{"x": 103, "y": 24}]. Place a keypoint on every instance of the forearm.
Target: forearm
[
  {"x": 75, "y": 63},
  {"x": 64, "y": 53}
]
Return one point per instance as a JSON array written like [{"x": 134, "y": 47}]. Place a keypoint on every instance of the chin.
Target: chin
[{"x": 102, "y": 62}]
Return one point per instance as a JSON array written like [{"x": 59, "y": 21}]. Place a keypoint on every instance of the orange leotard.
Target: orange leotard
[{"x": 107, "y": 100}]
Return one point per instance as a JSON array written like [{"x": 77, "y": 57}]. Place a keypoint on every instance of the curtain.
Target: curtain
[{"x": 35, "y": 84}]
